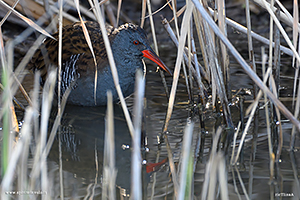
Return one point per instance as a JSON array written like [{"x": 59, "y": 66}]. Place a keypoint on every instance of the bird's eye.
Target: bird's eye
[{"x": 136, "y": 42}]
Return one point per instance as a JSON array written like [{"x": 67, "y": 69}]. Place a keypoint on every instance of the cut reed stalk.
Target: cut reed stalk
[
  {"x": 251, "y": 50},
  {"x": 172, "y": 165}
]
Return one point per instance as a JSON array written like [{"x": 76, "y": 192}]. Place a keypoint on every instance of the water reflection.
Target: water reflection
[
  {"x": 83, "y": 135},
  {"x": 82, "y": 141}
]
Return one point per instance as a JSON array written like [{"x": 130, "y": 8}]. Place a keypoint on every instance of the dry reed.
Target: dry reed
[{"x": 214, "y": 45}]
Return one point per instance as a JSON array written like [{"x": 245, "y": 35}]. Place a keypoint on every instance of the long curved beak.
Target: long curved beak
[{"x": 148, "y": 53}]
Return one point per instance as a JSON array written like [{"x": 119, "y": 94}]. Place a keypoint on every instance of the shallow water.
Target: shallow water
[{"x": 82, "y": 136}]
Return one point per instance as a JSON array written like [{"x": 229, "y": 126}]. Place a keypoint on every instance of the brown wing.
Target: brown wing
[{"x": 74, "y": 45}]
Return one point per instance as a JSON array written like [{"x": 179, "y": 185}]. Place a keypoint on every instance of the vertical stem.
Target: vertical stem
[
  {"x": 60, "y": 21},
  {"x": 136, "y": 184},
  {"x": 162, "y": 75}
]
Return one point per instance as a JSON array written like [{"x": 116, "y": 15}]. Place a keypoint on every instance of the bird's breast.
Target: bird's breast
[{"x": 88, "y": 85}]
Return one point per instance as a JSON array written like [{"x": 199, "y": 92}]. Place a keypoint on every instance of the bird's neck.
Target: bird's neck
[{"x": 125, "y": 58}]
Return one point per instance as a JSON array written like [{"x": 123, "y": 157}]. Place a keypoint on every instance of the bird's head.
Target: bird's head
[{"x": 132, "y": 42}]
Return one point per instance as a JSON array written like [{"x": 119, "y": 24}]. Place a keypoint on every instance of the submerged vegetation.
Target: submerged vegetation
[{"x": 204, "y": 57}]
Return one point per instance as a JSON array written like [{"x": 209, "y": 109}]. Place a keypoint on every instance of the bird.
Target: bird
[{"x": 129, "y": 45}]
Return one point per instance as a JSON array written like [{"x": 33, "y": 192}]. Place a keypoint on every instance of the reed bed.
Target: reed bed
[{"x": 204, "y": 54}]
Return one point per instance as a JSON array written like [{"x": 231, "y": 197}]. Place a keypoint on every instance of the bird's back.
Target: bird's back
[{"x": 74, "y": 46}]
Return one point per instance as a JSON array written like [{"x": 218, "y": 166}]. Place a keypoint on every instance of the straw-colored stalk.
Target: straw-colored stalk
[
  {"x": 136, "y": 162},
  {"x": 18, "y": 74},
  {"x": 59, "y": 113},
  {"x": 118, "y": 13},
  {"x": 185, "y": 56},
  {"x": 39, "y": 166},
  {"x": 295, "y": 26},
  {"x": 89, "y": 42},
  {"x": 224, "y": 54},
  {"x": 184, "y": 28},
  {"x": 215, "y": 170},
  {"x": 162, "y": 75},
  {"x": 284, "y": 34},
  {"x": 252, "y": 107},
  {"x": 242, "y": 183},
  {"x": 234, "y": 142},
  {"x": 109, "y": 170},
  {"x": 245, "y": 66},
  {"x": 296, "y": 114},
  {"x": 200, "y": 28},
  {"x": 9, "y": 12},
  {"x": 258, "y": 37},
  {"x": 113, "y": 67},
  {"x": 21, "y": 149},
  {"x": 264, "y": 59},
  {"x": 182, "y": 39},
  {"x": 284, "y": 17},
  {"x": 26, "y": 20},
  {"x": 143, "y": 13}
]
